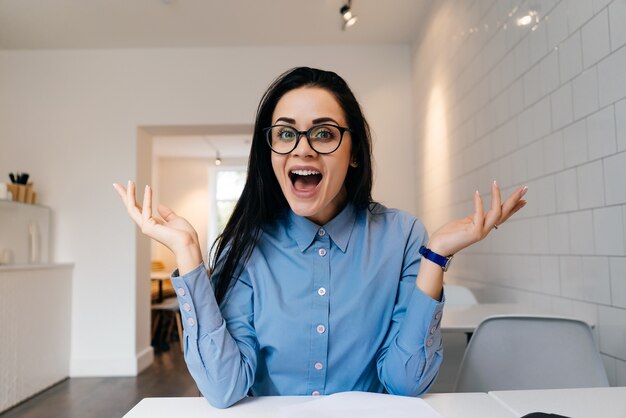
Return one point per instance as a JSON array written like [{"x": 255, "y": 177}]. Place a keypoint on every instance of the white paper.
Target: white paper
[{"x": 361, "y": 405}]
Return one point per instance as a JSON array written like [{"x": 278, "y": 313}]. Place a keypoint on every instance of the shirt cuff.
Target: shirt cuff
[
  {"x": 422, "y": 321},
  {"x": 198, "y": 308}
]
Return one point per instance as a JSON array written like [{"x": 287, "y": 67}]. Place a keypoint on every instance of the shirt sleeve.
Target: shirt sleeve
[
  {"x": 220, "y": 345},
  {"x": 409, "y": 359}
]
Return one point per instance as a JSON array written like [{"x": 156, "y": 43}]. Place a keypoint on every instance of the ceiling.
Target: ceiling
[
  {"x": 89, "y": 24},
  {"x": 112, "y": 24}
]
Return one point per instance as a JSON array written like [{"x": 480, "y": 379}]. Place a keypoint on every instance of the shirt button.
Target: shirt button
[
  {"x": 321, "y": 291},
  {"x": 191, "y": 322},
  {"x": 181, "y": 291},
  {"x": 433, "y": 329},
  {"x": 187, "y": 307},
  {"x": 320, "y": 329},
  {"x": 438, "y": 316},
  {"x": 429, "y": 342},
  {"x": 319, "y": 366},
  {"x": 321, "y": 232},
  {"x": 315, "y": 393},
  {"x": 322, "y": 252}
]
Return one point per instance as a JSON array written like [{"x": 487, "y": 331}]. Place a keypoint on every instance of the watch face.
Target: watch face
[{"x": 447, "y": 266}]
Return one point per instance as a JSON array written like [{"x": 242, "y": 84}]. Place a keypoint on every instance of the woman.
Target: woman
[{"x": 314, "y": 288}]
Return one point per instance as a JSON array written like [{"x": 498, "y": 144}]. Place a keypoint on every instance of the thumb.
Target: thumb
[{"x": 166, "y": 213}]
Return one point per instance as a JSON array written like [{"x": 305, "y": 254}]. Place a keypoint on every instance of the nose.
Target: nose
[{"x": 303, "y": 149}]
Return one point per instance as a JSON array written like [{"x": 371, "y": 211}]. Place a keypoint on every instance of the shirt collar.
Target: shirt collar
[{"x": 339, "y": 228}]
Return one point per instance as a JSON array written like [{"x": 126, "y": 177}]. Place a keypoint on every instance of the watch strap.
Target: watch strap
[{"x": 438, "y": 259}]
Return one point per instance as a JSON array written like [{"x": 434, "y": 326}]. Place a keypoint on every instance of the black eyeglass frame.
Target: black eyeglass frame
[{"x": 307, "y": 134}]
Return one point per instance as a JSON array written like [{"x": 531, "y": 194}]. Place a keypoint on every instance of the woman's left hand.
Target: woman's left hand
[{"x": 456, "y": 235}]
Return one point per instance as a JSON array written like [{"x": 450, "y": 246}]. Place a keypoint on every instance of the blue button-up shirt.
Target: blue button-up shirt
[{"x": 317, "y": 310}]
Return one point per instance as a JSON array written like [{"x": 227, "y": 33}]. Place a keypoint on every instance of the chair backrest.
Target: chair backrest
[
  {"x": 530, "y": 352},
  {"x": 459, "y": 295}
]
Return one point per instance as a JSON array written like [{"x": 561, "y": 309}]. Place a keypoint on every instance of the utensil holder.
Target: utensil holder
[
  {"x": 22, "y": 192},
  {"x": 29, "y": 194},
  {"x": 13, "y": 189}
]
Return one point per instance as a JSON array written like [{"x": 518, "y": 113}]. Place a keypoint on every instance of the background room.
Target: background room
[{"x": 458, "y": 93}]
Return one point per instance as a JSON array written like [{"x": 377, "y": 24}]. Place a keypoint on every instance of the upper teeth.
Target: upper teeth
[{"x": 305, "y": 172}]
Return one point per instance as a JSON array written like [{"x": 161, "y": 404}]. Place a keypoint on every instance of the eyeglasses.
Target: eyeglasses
[{"x": 323, "y": 139}]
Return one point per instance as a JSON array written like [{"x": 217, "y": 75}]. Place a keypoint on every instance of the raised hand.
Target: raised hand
[
  {"x": 172, "y": 230},
  {"x": 458, "y": 234}
]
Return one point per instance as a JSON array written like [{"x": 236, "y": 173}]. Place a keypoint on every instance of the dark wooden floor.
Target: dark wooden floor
[{"x": 110, "y": 396}]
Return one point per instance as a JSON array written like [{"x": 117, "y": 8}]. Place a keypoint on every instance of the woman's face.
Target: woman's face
[{"x": 320, "y": 194}]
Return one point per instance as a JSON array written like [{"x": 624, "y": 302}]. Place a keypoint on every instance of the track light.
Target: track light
[
  {"x": 348, "y": 18},
  {"x": 218, "y": 160}
]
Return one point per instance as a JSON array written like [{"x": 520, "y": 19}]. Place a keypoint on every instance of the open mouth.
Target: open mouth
[{"x": 305, "y": 180}]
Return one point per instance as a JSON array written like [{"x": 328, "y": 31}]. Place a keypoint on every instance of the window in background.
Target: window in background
[
  {"x": 225, "y": 187},
  {"x": 228, "y": 189}
]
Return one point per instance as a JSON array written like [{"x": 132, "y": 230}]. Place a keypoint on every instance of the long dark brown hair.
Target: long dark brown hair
[{"x": 262, "y": 199}]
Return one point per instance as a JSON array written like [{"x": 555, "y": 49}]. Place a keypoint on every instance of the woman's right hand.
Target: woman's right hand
[{"x": 172, "y": 231}]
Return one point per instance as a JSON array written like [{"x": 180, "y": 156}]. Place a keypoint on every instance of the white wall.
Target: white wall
[
  {"x": 71, "y": 119},
  {"x": 183, "y": 186},
  {"x": 544, "y": 107}
]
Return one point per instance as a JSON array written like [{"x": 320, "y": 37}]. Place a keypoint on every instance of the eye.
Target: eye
[
  {"x": 284, "y": 134},
  {"x": 324, "y": 133}
]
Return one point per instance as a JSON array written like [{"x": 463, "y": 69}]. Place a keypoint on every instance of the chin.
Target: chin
[{"x": 303, "y": 209}]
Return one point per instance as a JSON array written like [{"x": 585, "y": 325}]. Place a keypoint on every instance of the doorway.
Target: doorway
[{"x": 179, "y": 162}]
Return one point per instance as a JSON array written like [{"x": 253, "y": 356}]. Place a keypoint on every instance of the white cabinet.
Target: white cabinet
[
  {"x": 35, "y": 329},
  {"x": 35, "y": 305}
]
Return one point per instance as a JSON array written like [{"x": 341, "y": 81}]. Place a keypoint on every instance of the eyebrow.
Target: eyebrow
[{"x": 315, "y": 121}]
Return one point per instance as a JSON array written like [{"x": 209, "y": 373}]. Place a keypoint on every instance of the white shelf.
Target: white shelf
[
  {"x": 9, "y": 203},
  {"x": 46, "y": 266}
]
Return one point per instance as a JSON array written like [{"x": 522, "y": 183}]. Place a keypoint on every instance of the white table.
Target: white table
[
  {"x": 449, "y": 405},
  {"x": 575, "y": 403},
  {"x": 465, "y": 318},
  {"x": 466, "y": 405}
]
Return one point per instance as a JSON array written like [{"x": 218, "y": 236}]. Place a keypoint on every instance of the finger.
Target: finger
[
  {"x": 495, "y": 212},
  {"x": 131, "y": 203},
  {"x": 479, "y": 212},
  {"x": 511, "y": 202},
  {"x": 146, "y": 212},
  {"x": 121, "y": 191},
  {"x": 166, "y": 213},
  {"x": 517, "y": 207}
]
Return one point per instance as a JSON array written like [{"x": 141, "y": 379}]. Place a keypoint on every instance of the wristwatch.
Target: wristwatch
[{"x": 442, "y": 261}]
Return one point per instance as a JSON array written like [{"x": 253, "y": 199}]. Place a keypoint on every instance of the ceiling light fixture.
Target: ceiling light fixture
[
  {"x": 218, "y": 159},
  {"x": 348, "y": 18}
]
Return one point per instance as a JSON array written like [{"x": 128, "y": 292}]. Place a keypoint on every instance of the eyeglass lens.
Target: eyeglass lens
[{"x": 322, "y": 138}]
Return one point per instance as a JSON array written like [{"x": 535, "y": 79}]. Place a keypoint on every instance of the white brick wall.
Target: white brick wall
[{"x": 545, "y": 106}]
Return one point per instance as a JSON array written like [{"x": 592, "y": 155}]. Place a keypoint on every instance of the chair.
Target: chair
[
  {"x": 459, "y": 295},
  {"x": 530, "y": 352},
  {"x": 160, "y": 309}
]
